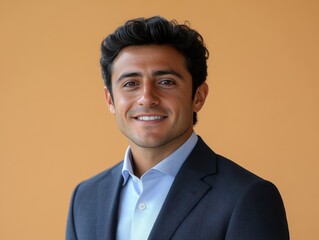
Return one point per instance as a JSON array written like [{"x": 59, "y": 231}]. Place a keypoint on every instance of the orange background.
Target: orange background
[{"x": 55, "y": 129}]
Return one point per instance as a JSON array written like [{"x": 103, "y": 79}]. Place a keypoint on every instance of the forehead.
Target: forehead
[{"x": 149, "y": 58}]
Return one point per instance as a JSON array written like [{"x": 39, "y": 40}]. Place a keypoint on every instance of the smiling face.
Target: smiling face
[{"x": 152, "y": 96}]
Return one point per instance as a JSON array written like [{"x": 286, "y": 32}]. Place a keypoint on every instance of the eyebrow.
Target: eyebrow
[
  {"x": 154, "y": 74},
  {"x": 166, "y": 72},
  {"x": 129, "y": 74}
]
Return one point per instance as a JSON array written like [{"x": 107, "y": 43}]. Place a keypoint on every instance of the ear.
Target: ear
[
  {"x": 200, "y": 97},
  {"x": 109, "y": 100}
]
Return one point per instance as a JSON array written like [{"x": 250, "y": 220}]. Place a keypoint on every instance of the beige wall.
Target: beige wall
[{"x": 55, "y": 129}]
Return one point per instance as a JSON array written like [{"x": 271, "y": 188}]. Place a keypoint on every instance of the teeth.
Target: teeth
[{"x": 149, "y": 118}]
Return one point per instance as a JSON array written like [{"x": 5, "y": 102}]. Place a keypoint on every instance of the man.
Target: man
[{"x": 171, "y": 185}]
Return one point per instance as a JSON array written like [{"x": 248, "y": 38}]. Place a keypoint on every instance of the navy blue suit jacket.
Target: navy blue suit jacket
[{"x": 211, "y": 198}]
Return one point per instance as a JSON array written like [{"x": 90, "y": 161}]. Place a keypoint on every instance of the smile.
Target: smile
[{"x": 149, "y": 118}]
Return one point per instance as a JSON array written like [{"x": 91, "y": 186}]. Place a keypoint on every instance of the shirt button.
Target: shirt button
[{"x": 142, "y": 206}]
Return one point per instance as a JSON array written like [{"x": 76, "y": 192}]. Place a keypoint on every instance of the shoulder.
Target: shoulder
[
  {"x": 91, "y": 184},
  {"x": 232, "y": 171},
  {"x": 225, "y": 175},
  {"x": 244, "y": 185},
  {"x": 206, "y": 160},
  {"x": 253, "y": 206}
]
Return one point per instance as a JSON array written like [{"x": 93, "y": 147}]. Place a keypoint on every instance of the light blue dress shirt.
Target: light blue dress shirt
[{"x": 142, "y": 198}]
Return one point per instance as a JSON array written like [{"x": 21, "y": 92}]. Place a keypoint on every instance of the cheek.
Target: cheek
[
  {"x": 180, "y": 104},
  {"x": 123, "y": 103}
]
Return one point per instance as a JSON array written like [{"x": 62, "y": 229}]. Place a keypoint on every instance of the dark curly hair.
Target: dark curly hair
[{"x": 157, "y": 30}]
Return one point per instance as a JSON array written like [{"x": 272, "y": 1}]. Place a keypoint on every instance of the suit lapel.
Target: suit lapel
[
  {"x": 108, "y": 202},
  {"x": 187, "y": 190}
]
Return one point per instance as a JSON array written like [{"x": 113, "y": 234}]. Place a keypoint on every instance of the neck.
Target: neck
[{"x": 143, "y": 159}]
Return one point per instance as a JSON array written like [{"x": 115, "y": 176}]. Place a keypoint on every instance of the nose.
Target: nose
[{"x": 148, "y": 96}]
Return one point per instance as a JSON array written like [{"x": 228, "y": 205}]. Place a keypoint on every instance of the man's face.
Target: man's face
[{"x": 152, "y": 96}]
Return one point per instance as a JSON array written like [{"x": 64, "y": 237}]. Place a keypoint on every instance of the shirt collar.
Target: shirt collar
[{"x": 169, "y": 166}]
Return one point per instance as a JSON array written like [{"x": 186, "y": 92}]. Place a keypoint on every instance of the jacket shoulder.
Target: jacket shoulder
[
  {"x": 91, "y": 184},
  {"x": 234, "y": 171}
]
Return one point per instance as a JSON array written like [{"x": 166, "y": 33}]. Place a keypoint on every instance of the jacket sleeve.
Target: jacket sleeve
[
  {"x": 70, "y": 228},
  {"x": 259, "y": 214}
]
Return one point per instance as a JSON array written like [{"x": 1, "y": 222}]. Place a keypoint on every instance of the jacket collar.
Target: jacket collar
[
  {"x": 108, "y": 203},
  {"x": 188, "y": 188}
]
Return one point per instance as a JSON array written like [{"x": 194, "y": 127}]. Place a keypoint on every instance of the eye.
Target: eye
[
  {"x": 166, "y": 83},
  {"x": 130, "y": 84}
]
